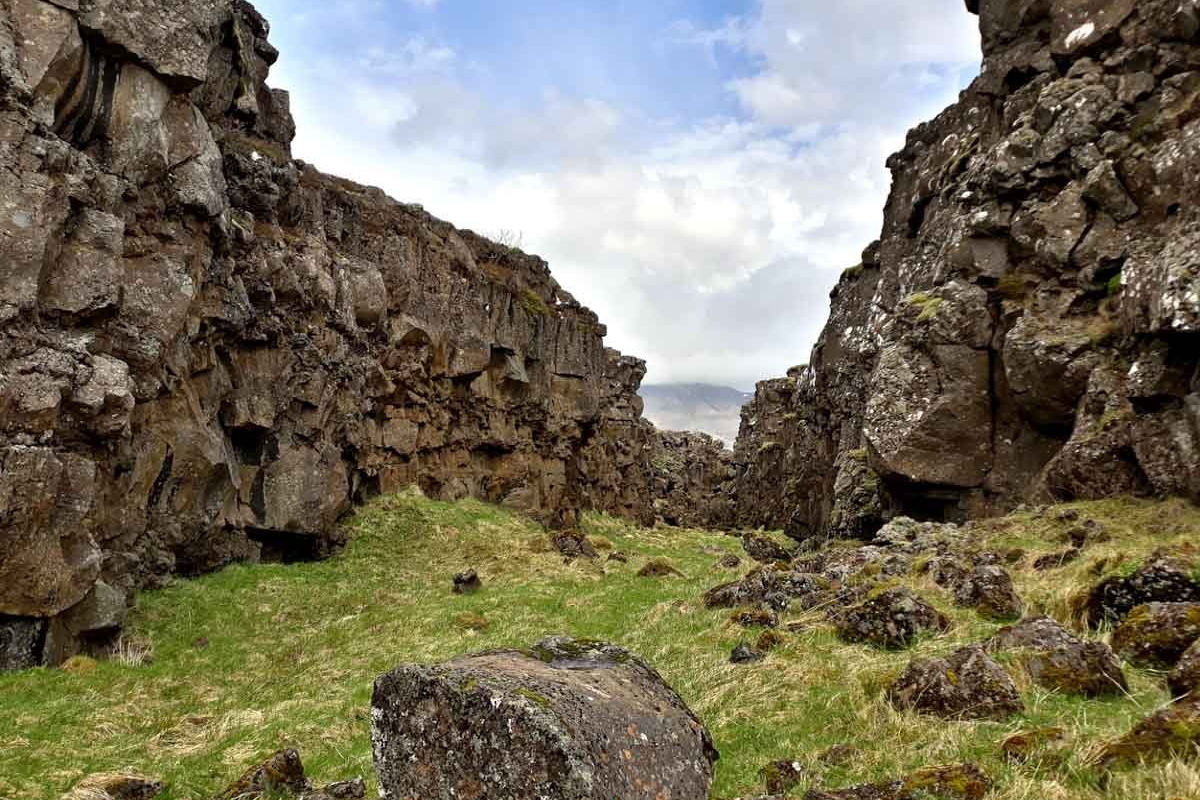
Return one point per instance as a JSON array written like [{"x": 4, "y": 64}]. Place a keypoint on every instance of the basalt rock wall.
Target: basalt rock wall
[
  {"x": 209, "y": 350},
  {"x": 1028, "y": 326}
]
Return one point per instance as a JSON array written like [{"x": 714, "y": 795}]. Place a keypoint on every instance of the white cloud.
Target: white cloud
[{"x": 708, "y": 246}]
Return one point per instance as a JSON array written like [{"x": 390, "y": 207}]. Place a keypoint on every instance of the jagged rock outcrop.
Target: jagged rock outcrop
[
  {"x": 209, "y": 350},
  {"x": 693, "y": 481},
  {"x": 1028, "y": 326}
]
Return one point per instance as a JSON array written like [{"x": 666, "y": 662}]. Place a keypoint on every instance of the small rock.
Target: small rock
[
  {"x": 116, "y": 786},
  {"x": 968, "y": 684},
  {"x": 282, "y": 771},
  {"x": 618, "y": 557},
  {"x": 957, "y": 782},
  {"x": 1173, "y": 731},
  {"x": 948, "y": 572},
  {"x": 1055, "y": 560},
  {"x": 467, "y": 582},
  {"x": 755, "y": 618},
  {"x": 780, "y": 777},
  {"x": 1185, "y": 678},
  {"x": 342, "y": 790},
  {"x": 893, "y": 619},
  {"x": 1157, "y": 634},
  {"x": 764, "y": 549},
  {"x": 989, "y": 590},
  {"x": 659, "y": 568},
  {"x": 573, "y": 544},
  {"x": 745, "y": 654},
  {"x": 1021, "y": 746},
  {"x": 729, "y": 561}
]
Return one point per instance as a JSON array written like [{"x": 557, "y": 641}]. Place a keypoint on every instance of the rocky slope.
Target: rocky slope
[
  {"x": 1028, "y": 326},
  {"x": 211, "y": 350}
]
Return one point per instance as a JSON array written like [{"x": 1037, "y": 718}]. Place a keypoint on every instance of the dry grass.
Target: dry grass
[{"x": 257, "y": 658}]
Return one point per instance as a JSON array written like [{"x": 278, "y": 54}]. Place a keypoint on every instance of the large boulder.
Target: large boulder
[
  {"x": 1162, "y": 579},
  {"x": 1171, "y": 732},
  {"x": 1058, "y": 660},
  {"x": 967, "y": 684},
  {"x": 1158, "y": 634},
  {"x": 989, "y": 590},
  {"x": 1185, "y": 678},
  {"x": 567, "y": 719}
]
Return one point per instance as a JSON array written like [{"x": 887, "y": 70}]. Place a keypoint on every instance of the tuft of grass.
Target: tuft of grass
[
  {"x": 532, "y": 302},
  {"x": 256, "y": 658}
]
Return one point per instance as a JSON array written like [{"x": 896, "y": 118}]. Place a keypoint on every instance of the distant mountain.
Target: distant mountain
[{"x": 715, "y": 410}]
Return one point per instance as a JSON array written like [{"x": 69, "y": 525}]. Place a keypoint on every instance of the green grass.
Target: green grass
[{"x": 261, "y": 657}]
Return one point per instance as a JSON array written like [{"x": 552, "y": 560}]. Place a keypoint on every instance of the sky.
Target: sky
[{"x": 698, "y": 172}]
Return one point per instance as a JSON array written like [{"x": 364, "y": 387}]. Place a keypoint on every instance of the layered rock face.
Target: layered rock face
[
  {"x": 1028, "y": 327},
  {"x": 211, "y": 350},
  {"x": 693, "y": 481}
]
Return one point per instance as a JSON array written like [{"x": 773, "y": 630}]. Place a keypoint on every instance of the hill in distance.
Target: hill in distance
[{"x": 715, "y": 410}]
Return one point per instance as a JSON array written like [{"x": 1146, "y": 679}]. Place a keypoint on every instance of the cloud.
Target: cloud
[{"x": 708, "y": 245}]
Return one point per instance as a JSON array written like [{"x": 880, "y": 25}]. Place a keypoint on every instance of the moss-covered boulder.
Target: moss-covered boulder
[
  {"x": 952, "y": 782},
  {"x": 764, "y": 549},
  {"x": 893, "y": 618},
  {"x": 1185, "y": 678},
  {"x": 989, "y": 590},
  {"x": 1162, "y": 579},
  {"x": 1058, "y": 660},
  {"x": 967, "y": 684},
  {"x": 116, "y": 786},
  {"x": 281, "y": 772},
  {"x": 1157, "y": 634},
  {"x": 1174, "y": 731},
  {"x": 568, "y": 719}
]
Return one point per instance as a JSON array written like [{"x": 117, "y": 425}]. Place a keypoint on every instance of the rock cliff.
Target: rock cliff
[
  {"x": 1028, "y": 326},
  {"x": 210, "y": 350}
]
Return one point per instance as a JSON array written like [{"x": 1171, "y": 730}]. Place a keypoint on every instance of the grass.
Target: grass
[{"x": 261, "y": 657}]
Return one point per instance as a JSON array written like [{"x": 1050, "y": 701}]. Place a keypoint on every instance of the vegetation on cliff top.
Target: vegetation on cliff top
[{"x": 256, "y": 658}]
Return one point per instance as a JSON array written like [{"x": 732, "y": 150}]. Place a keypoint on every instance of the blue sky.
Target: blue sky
[{"x": 698, "y": 172}]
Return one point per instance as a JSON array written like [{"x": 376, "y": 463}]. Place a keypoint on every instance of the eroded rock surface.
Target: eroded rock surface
[
  {"x": 210, "y": 350},
  {"x": 1028, "y": 326},
  {"x": 567, "y": 720}
]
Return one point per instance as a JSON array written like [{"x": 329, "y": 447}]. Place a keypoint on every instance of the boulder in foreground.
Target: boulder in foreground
[{"x": 566, "y": 720}]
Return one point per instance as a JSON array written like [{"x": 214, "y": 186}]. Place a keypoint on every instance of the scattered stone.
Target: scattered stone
[
  {"x": 1056, "y": 659},
  {"x": 729, "y": 561},
  {"x": 780, "y": 777},
  {"x": 892, "y": 619},
  {"x": 957, "y": 782},
  {"x": 467, "y": 582},
  {"x": 743, "y": 653},
  {"x": 1162, "y": 580},
  {"x": 1021, "y": 747},
  {"x": 967, "y": 684},
  {"x": 1157, "y": 634},
  {"x": 1172, "y": 732},
  {"x": 659, "y": 568},
  {"x": 1185, "y": 678},
  {"x": 342, "y": 790},
  {"x": 755, "y": 618},
  {"x": 948, "y": 572},
  {"x": 568, "y": 719},
  {"x": 1056, "y": 560},
  {"x": 771, "y": 586},
  {"x": 618, "y": 557},
  {"x": 764, "y": 549},
  {"x": 115, "y": 786},
  {"x": 283, "y": 771},
  {"x": 989, "y": 590},
  {"x": 573, "y": 544}
]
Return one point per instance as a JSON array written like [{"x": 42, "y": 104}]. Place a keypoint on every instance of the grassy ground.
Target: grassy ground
[{"x": 257, "y": 658}]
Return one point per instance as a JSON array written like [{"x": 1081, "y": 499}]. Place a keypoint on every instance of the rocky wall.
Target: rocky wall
[{"x": 209, "y": 351}]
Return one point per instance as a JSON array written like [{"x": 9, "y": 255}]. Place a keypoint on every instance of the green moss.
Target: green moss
[
  {"x": 532, "y": 302},
  {"x": 928, "y": 304},
  {"x": 853, "y": 272},
  {"x": 540, "y": 700},
  {"x": 1115, "y": 284},
  {"x": 768, "y": 447}
]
